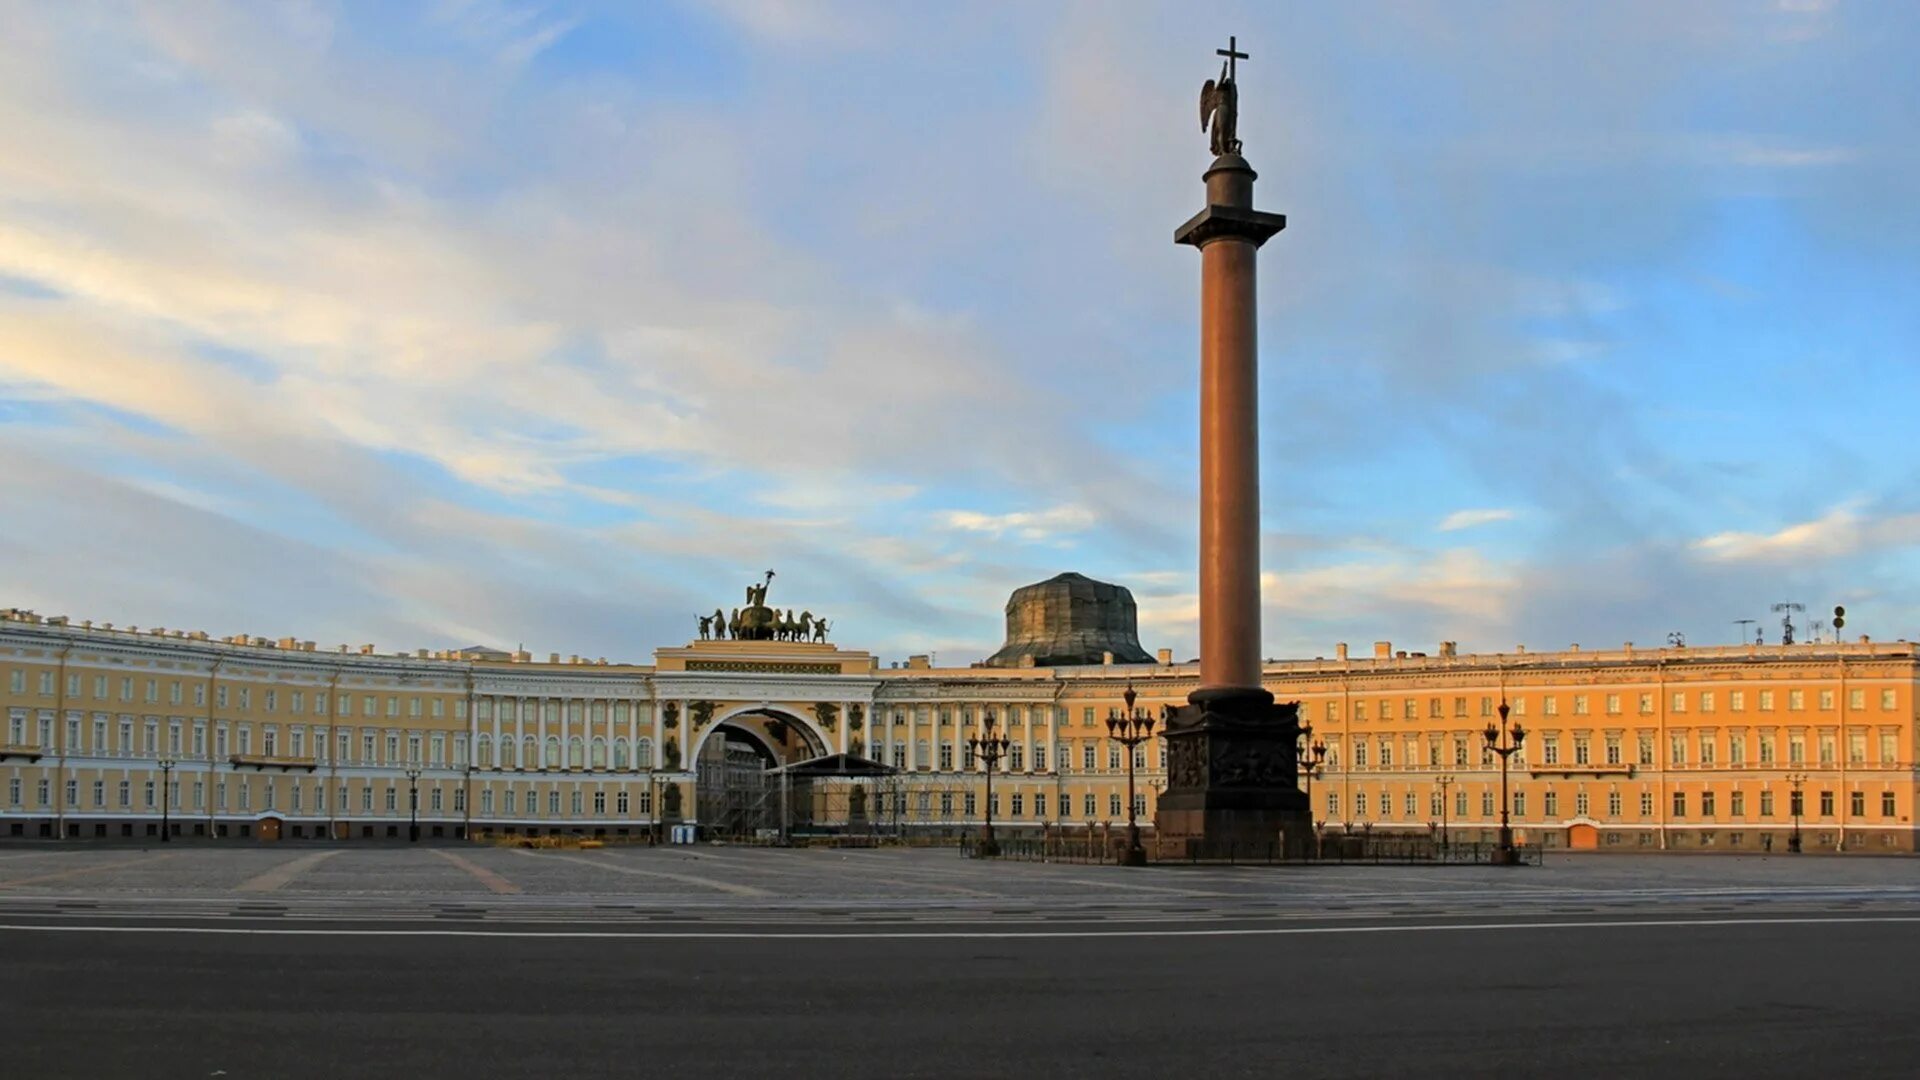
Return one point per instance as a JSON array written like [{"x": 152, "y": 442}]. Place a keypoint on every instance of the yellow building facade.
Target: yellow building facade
[{"x": 109, "y": 731}]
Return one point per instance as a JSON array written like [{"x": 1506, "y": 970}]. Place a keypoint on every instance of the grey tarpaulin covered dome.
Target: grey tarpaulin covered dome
[{"x": 1070, "y": 619}]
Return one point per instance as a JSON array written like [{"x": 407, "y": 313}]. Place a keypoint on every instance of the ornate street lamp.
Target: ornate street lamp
[
  {"x": 989, "y": 748},
  {"x": 1793, "y": 839},
  {"x": 1311, "y": 753},
  {"x": 413, "y": 806},
  {"x": 166, "y": 802},
  {"x": 1505, "y": 740},
  {"x": 1131, "y": 727},
  {"x": 1445, "y": 782}
]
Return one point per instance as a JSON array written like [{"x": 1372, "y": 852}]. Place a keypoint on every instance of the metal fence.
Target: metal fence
[{"x": 1334, "y": 849}]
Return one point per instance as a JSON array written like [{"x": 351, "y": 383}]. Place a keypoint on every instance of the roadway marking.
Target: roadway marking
[
  {"x": 949, "y": 935},
  {"x": 277, "y": 877},
  {"x": 690, "y": 879},
  {"x": 59, "y": 874},
  {"x": 485, "y": 876},
  {"x": 1189, "y": 893}
]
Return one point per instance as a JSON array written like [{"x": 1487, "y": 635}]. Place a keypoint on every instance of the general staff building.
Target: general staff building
[{"x": 112, "y": 730}]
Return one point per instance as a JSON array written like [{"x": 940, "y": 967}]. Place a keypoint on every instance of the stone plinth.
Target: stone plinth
[{"x": 1232, "y": 779}]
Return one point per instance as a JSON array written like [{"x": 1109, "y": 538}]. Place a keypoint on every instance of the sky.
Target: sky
[{"x": 557, "y": 323}]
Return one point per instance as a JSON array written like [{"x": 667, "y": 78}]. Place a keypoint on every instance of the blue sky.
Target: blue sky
[{"x": 556, "y": 323}]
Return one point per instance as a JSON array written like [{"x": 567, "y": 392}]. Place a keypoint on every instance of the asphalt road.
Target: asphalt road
[{"x": 1656, "y": 993}]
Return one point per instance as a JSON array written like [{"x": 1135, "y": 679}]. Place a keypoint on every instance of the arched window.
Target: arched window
[
  {"x": 529, "y": 753},
  {"x": 553, "y": 752},
  {"x": 620, "y": 753},
  {"x": 507, "y": 755},
  {"x": 599, "y": 752},
  {"x": 643, "y": 753},
  {"x": 576, "y": 753},
  {"x": 483, "y": 751}
]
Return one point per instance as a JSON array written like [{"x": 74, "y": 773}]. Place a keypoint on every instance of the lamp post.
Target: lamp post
[
  {"x": 990, "y": 748},
  {"x": 1311, "y": 752},
  {"x": 1130, "y": 727},
  {"x": 166, "y": 803},
  {"x": 413, "y": 805},
  {"x": 1505, "y": 740},
  {"x": 1793, "y": 838},
  {"x": 1445, "y": 782}
]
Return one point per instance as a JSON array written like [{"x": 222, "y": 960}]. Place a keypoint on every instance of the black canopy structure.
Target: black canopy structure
[{"x": 836, "y": 794}]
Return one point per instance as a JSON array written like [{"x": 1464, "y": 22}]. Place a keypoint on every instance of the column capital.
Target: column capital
[{"x": 1218, "y": 222}]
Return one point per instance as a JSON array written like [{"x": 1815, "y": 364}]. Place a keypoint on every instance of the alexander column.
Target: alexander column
[{"x": 1231, "y": 774}]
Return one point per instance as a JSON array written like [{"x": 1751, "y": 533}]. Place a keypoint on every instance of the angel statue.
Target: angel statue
[{"x": 1220, "y": 102}]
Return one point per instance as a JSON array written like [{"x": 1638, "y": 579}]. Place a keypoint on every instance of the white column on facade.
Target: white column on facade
[
  {"x": 659, "y": 733},
  {"x": 846, "y": 721},
  {"x": 540, "y": 732},
  {"x": 913, "y": 733},
  {"x": 633, "y": 735},
  {"x": 493, "y": 706}
]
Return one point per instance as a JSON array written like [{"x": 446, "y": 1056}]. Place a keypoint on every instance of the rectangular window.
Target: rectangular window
[
  {"x": 1886, "y": 804},
  {"x": 1886, "y": 701},
  {"x": 1766, "y": 747},
  {"x": 1888, "y": 749},
  {"x": 1520, "y": 804},
  {"x": 1739, "y": 803},
  {"x": 1826, "y": 804},
  {"x": 1550, "y": 750},
  {"x": 1766, "y": 701},
  {"x": 1646, "y": 804},
  {"x": 1706, "y": 804},
  {"x": 1613, "y": 750},
  {"x": 1679, "y": 804},
  {"x": 1706, "y": 701},
  {"x": 1766, "y": 804},
  {"x": 1706, "y": 748},
  {"x": 1613, "y": 803},
  {"x": 1582, "y": 755},
  {"x": 1579, "y": 704},
  {"x": 1613, "y": 704},
  {"x": 1857, "y": 803},
  {"x": 1797, "y": 700},
  {"x": 1552, "y": 803}
]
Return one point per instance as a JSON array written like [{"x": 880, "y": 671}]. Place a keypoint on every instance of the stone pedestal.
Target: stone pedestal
[{"x": 1233, "y": 779}]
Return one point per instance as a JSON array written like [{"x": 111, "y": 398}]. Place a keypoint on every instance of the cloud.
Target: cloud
[
  {"x": 1467, "y": 519},
  {"x": 1037, "y": 526},
  {"x": 1840, "y": 532}
]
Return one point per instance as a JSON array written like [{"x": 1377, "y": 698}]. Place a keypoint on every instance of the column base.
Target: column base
[{"x": 1233, "y": 780}]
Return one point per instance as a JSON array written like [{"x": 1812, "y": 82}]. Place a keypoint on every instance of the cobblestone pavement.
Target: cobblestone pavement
[{"x": 623, "y": 884}]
